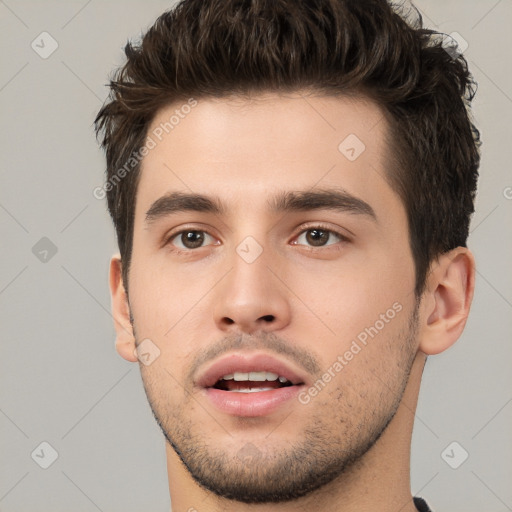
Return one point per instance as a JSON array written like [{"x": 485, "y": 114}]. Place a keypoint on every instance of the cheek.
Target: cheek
[
  {"x": 375, "y": 363},
  {"x": 351, "y": 296},
  {"x": 160, "y": 297},
  {"x": 171, "y": 309},
  {"x": 162, "y": 387}
]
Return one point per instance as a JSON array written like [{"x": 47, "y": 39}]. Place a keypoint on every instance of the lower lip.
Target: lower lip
[{"x": 253, "y": 404}]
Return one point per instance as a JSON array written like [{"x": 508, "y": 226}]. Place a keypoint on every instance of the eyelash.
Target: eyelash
[{"x": 321, "y": 227}]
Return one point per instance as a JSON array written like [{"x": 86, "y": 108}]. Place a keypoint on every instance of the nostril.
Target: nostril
[{"x": 268, "y": 318}]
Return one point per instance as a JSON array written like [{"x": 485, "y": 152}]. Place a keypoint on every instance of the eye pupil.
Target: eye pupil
[
  {"x": 317, "y": 240},
  {"x": 195, "y": 238}
]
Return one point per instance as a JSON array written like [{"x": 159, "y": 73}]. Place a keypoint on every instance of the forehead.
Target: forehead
[
  {"x": 243, "y": 148},
  {"x": 264, "y": 126}
]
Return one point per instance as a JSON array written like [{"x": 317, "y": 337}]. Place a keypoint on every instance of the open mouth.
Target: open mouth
[{"x": 251, "y": 382}]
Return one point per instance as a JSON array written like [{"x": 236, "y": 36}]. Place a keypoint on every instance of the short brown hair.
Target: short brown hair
[{"x": 216, "y": 48}]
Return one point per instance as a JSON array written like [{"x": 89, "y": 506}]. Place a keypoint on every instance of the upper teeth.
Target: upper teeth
[{"x": 254, "y": 376}]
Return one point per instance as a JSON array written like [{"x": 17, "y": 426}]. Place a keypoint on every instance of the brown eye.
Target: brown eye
[
  {"x": 189, "y": 239},
  {"x": 318, "y": 237}
]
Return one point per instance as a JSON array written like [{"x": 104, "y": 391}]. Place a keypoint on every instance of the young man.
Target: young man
[{"x": 291, "y": 183}]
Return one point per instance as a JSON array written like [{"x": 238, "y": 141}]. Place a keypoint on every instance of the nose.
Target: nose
[{"x": 252, "y": 296}]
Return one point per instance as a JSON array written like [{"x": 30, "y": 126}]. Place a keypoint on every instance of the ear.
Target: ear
[
  {"x": 447, "y": 300},
  {"x": 125, "y": 340}
]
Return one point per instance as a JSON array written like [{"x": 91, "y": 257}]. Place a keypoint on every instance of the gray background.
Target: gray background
[{"x": 61, "y": 380}]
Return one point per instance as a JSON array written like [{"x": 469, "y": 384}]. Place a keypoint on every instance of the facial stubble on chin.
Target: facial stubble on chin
[{"x": 288, "y": 473}]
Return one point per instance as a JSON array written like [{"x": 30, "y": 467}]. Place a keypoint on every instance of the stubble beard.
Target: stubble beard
[{"x": 329, "y": 448}]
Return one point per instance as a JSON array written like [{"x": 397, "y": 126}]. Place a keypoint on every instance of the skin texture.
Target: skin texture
[{"x": 302, "y": 299}]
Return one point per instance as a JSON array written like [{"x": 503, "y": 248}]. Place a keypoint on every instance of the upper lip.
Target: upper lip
[{"x": 238, "y": 362}]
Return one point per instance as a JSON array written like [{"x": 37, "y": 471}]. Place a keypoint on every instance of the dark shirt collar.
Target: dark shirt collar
[{"x": 421, "y": 505}]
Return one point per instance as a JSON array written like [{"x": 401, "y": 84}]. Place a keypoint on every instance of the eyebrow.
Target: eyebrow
[{"x": 282, "y": 202}]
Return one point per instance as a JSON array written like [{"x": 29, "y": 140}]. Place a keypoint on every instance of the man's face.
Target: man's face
[{"x": 323, "y": 297}]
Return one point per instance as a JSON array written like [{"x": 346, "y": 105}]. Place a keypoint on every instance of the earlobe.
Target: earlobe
[
  {"x": 447, "y": 300},
  {"x": 125, "y": 340}
]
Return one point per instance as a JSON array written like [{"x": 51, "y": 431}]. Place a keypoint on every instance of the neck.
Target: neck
[{"x": 380, "y": 480}]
